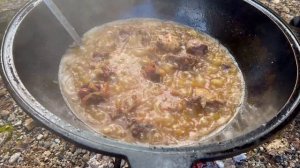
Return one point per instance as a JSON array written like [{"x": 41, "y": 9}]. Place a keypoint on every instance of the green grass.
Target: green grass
[{"x": 6, "y": 128}]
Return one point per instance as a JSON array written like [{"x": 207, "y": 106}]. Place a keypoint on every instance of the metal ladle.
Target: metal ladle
[{"x": 64, "y": 22}]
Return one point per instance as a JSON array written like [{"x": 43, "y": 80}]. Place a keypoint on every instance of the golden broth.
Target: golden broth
[{"x": 151, "y": 81}]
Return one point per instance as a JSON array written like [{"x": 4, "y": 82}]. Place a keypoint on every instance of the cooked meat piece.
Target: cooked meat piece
[
  {"x": 105, "y": 89},
  {"x": 185, "y": 62},
  {"x": 145, "y": 37},
  {"x": 128, "y": 105},
  {"x": 225, "y": 67},
  {"x": 104, "y": 73},
  {"x": 168, "y": 43},
  {"x": 196, "y": 48},
  {"x": 146, "y": 41},
  {"x": 93, "y": 93},
  {"x": 140, "y": 131},
  {"x": 88, "y": 88},
  {"x": 92, "y": 98},
  {"x": 196, "y": 102},
  {"x": 124, "y": 34},
  {"x": 94, "y": 86},
  {"x": 122, "y": 120},
  {"x": 110, "y": 47},
  {"x": 214, "y": 105},
  {"x": 149, "y": 72},
  {"x": 83, "y": 92},
  {"x": 99, "y": 56},
  {"x": 202, "y": 103},
  {"x": 114, "y": 115}
]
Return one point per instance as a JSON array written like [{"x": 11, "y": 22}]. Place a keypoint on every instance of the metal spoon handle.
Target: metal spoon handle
[{"x": 62, "y": 19}]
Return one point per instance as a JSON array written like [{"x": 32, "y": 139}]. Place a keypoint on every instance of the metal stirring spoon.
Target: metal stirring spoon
[{"x": 64, "y": 22}]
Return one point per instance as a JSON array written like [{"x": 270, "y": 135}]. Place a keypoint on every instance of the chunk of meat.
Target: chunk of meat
[
  {"x": 106, "y": 46},
  {"x": 214, "y": 105},
  {"x": 93, "y": 93},
  {"x": 195, "y": 47},
  {"x": 130, "y": 104},
  {"x": 104, "y": 73},
  {"x": 140, "y": 131},
  {"x": 123, "y": 120},
  {"x": 83, "y": 92},
  {"x": 88, "y": 88},
  {"x": 149, "y": 71},
  {"x": 145, "y": 41},
  {"x": 200, "y": 102},
  {"x": 168, "y": 43},
  {"x": 99, "y": 56},
  {"x": 93, "y": 98},
  {"x": 196, "y": 102},
  {"x": 124, "y": 34},
  {"x": 225, "y": 67},
  {"x": 124, "y": 107},
  {"x": 145, "y": 37},
  {"x": 185, "y": 62}
]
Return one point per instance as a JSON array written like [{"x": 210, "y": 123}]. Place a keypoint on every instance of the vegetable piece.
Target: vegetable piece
[
  {"x": 217, "y": 82},
  {"x": 199, "y": 81}
]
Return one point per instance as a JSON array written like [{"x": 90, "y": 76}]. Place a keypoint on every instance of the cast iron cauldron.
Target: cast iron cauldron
[{"x": 263, "y": 45}]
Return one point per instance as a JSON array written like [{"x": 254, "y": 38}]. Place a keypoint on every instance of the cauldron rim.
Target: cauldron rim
[{"x": 112, "y": 147}]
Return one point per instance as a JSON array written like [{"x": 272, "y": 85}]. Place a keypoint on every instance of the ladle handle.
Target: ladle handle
[
  {"x": 295, "y": 26},
  {"x": 64, "y": 22}
]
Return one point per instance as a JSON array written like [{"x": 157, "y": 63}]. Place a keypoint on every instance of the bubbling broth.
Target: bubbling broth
[{"x": 152, "y": 82}]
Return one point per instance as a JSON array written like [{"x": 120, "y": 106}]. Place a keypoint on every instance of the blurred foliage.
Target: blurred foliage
[{"x": 6, "y": 128}]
